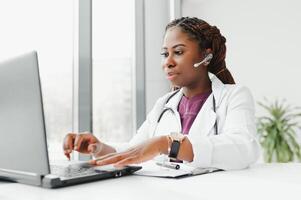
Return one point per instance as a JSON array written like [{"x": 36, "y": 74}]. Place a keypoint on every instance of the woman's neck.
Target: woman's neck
[{"x": 203, "y": 86}]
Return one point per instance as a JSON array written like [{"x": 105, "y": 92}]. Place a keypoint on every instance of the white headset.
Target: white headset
[{"x": 206, "y": 60}]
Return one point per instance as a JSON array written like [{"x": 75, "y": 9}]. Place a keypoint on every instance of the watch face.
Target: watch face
[{"x": 174, "y": 149}]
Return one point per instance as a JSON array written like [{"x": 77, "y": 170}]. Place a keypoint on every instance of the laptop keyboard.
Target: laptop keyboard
[{"x": 72, "y": 171}]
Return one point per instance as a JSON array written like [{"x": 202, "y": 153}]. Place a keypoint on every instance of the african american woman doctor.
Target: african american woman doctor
[{"x": 208, "y": 121}]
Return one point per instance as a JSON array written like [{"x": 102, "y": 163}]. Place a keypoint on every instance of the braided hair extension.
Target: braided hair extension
[{"x": 207, "y": 36}]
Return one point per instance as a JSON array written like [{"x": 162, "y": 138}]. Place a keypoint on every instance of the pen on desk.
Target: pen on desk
[{"x": 169, "y": 165}]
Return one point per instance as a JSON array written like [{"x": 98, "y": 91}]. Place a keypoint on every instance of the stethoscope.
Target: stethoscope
[{"x": 169, "y": 109}]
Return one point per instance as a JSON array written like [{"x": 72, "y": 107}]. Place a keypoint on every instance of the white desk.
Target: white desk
[{"x": 261, "y": 181}]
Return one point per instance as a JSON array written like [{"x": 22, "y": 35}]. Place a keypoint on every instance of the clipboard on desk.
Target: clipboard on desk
[{"x": 153, "y": 169}]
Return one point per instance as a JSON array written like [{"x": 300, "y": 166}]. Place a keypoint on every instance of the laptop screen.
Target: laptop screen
[{"x": 22, "y": 130}]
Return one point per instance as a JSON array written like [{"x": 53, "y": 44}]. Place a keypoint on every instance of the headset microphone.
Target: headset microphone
[{"x": 206, "y": 60}]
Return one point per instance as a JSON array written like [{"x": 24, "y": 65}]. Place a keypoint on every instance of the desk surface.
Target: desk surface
[{"x": 261, "y": 181}]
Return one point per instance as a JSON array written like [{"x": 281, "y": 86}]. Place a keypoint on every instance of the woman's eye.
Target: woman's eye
[
  {"x": 164, "y": 54},
  {"x": 178, "y": 52}
]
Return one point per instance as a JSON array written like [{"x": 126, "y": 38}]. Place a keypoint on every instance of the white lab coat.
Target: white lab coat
[{"x": 235, "y": 146}]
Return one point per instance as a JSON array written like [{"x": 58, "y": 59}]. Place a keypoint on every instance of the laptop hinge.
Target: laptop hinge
[{"x": 21, "y": 176}]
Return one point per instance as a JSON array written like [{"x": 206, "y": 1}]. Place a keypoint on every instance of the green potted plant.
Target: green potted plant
[{"x": 277, "y": 132}]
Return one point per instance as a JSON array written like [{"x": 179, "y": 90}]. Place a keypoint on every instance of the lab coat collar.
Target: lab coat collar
[{"x": 217, "y": 88}]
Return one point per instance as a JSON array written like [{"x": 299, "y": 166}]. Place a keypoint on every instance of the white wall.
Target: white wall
[{"x": 263, "y": 43}]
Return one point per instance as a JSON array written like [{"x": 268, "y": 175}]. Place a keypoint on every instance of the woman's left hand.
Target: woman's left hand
[{"x": 138, "y": 154}]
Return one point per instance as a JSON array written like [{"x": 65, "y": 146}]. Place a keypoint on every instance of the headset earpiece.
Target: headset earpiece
[{"x": 205, "y": 61}]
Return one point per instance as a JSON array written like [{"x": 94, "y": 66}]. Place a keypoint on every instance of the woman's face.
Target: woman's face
[{"x": 179, "y": 54}]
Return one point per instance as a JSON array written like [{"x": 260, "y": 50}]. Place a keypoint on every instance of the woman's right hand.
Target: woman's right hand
[{"x": 82, "y": 142}]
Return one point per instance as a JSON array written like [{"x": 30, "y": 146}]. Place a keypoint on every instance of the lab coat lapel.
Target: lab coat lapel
[
  {"x": 174, "y": 101},
  {"x": 205, "y": 119},
  {"x": 173, "y": 105},
  {"x": 217, "y": 88}
]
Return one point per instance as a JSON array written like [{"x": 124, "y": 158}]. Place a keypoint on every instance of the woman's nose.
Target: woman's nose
[{"x": 168, "y": 62}]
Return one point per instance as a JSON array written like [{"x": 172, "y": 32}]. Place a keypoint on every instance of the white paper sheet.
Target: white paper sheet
[{"x": 150, "y": 168}]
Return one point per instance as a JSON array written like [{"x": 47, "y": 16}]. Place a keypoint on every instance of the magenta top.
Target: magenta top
[{"x": 189, "y": 108}]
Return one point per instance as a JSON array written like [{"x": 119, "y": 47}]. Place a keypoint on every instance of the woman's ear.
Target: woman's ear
[
  {"x": 205, "y": 52},
  {"x": 209, "y": 50},
  {"x": 208, "y": 56}
]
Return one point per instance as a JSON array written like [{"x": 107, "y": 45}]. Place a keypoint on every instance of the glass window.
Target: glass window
[
  {"x": 45, "y": 26},
  {"x": 113, "y": 40}
]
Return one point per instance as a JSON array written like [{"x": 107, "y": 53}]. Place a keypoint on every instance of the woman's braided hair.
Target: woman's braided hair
[{"x": 207, "y": 37}]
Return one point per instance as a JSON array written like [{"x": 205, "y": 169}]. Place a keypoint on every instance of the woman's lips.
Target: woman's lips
[{"x": 171, "y": 76}]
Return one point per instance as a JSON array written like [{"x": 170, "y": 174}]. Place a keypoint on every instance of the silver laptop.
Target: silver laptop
[{"x": 23, "y": 145}]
